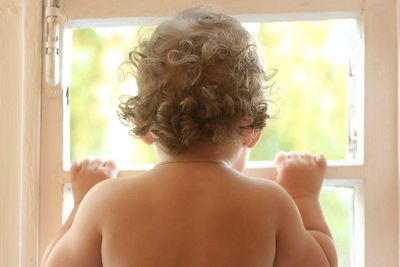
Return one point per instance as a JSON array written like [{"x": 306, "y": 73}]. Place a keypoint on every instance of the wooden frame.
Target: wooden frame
[
  {"x": 21, "y": 46},
  {"x": 32, "y": 53},
  {"x": 378, "y": 173}
]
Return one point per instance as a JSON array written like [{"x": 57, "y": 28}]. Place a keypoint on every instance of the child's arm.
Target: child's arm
[
  {"x": 303, "y": 238},
  {"x": 81, "y": 237}
]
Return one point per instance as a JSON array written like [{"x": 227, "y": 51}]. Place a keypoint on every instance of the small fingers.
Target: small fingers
[
  {"x": 294, "y": 155},
  {"x": 112, "y": 167},
  {"x": 87, "y": 161},
  {"x": 110, "y": 164},
  {"x": 76, "y": 166},
  {"x": 320, "y": 160},
  {"x": 280, "y": 156},
  {"x": 98, "y": 162},
  {"x": 307, "y": 155}
]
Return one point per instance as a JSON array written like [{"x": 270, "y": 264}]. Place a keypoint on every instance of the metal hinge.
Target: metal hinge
[{"x": 53, "y": 20}]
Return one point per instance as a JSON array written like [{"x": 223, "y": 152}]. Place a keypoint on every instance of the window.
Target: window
[
  {"x": 313, "y": 62},
  {"x": 309, "y": 96},
  {"x": 360, "y": 178}
]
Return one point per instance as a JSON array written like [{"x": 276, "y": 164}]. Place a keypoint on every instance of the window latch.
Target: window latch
[{"x": 52, "y": 43}]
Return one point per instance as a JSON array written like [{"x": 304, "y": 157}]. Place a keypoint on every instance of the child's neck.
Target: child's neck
[
  {"x": 229, "y": 154},
  {"x": 201, "y": 161}
]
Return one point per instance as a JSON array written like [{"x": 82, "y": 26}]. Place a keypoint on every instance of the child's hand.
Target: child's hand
[
  {"x": 85, "y": 174},
  {"x": 301, "y": 174}
]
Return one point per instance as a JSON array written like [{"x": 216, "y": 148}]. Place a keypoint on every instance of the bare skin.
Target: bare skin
[{"x": 197, "y": 214}]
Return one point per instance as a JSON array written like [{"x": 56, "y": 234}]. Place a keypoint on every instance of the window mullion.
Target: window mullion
[{"x": 333, "y": 173}]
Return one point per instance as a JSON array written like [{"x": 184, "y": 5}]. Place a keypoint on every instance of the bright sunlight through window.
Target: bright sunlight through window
[{"x": 309, "y": 96}]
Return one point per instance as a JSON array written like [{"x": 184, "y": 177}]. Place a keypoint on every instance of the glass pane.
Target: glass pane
[
  {"x": 338, "y": 206},
  {"x": 310, "y": 90},
  {"x": 68, "y": 202},
  {"x": 94, "y": 96}
]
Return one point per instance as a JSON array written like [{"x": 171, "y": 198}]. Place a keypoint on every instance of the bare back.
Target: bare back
[
  {"x": 189, "y": 215},
  {"x": 194, "y": 215}
]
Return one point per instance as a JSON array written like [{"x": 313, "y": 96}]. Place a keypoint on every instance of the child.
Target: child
[{"x": 201, "y": 103}]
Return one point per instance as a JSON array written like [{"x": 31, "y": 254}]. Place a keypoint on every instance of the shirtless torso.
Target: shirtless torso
[
  {"x": 214, "y": 217},
  {"x": 197, "y": 214}
]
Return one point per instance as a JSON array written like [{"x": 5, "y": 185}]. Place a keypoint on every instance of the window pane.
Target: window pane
[
  {"x": 310, "y": 90},
  {"x": 95, "y": 90},
  {"x": 338, "y": 206},
  {"x": 68, "y": 202},
  {"x": 312, "y": 61}
]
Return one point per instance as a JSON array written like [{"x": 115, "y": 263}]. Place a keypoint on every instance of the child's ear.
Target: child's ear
[
  {"x": 147, "y": 139},
  {"x": 252, "y": 139}
]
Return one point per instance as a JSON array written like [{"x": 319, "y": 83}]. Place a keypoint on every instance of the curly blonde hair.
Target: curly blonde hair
[{"x": 200, "y": 81}]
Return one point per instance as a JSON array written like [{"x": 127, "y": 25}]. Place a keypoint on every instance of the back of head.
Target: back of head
[{"x": 200, "y": 80}]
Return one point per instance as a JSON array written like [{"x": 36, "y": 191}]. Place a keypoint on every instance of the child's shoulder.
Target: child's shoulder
[
  {"x": 270, "y": 195},
  {"x": 263, "y": 186},
  {"x": 113, "y": 187},
  {"x": 107, "y": 191}
]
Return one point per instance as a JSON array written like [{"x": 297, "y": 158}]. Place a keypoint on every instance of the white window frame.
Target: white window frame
[{"x": 375, "y": 179}]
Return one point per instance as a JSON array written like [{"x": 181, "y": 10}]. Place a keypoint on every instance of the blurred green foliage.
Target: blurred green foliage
[
  {"x": 308, "y": 98},
  {"x": 338, "y": 207},
  {"x": 85, "y": 123},
  {"x": 92, "y": 113},
  {"x": 310, "y": 92},
  {"x": 309, "y": 103}
]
